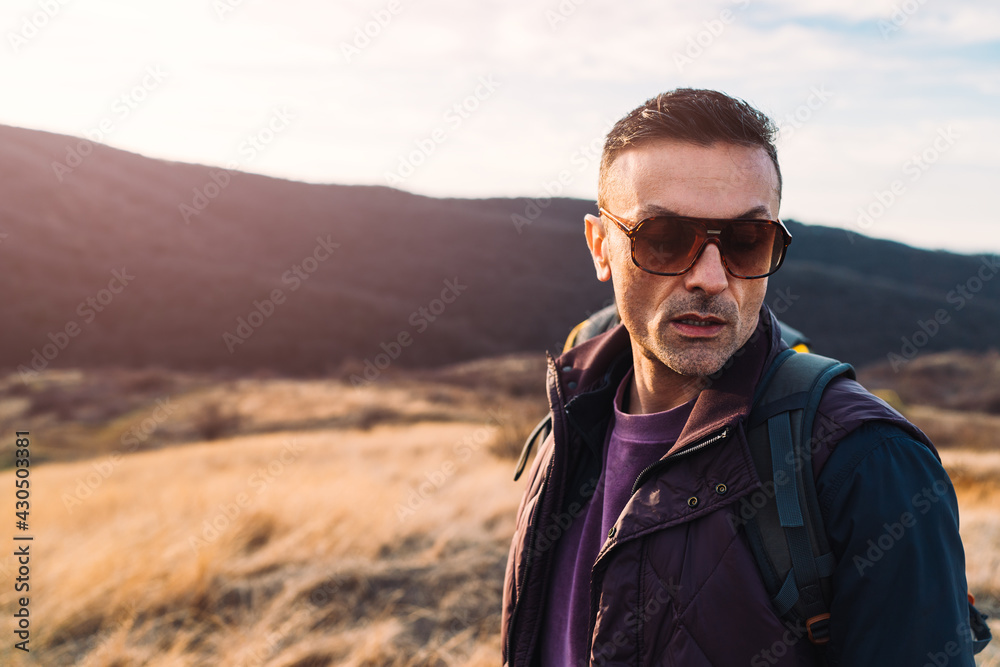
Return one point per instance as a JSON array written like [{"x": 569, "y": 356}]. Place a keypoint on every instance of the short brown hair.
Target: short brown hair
[{"x": 702, "y": 117}]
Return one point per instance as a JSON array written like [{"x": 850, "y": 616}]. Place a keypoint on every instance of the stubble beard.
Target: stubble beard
[{"x": 698, "y": 357}]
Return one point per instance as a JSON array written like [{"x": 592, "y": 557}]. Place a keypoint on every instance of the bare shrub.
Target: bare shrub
[
  {"x": 954, "y": 428},
  {"x": 148, "y": 380},
  {"x": 214, "y": 421},
  {"x": 370, "y": 416}
]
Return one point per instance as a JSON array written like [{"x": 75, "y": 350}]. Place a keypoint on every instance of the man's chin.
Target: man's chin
[
  {"x": 696, "y": 368},
  {"x": 697, "y": 362}
]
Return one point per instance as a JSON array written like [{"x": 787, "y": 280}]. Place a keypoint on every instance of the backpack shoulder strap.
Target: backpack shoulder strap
[
  {"x": 537, "y": 435},
  {"x": 786, "y": 534}
]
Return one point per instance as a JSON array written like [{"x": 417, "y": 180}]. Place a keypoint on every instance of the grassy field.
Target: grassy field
[
  {"x": 300, "y": 523},
  {"x": 292, "y": 548}
]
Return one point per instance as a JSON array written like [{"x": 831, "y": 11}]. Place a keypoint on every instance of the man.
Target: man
[{"x": 626, "y": 552}]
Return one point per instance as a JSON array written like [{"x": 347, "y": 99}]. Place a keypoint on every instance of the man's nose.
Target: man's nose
[{"x": 708, "y": 274}]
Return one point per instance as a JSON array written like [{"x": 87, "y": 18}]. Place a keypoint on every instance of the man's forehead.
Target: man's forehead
[
  {"x": 730, "y": 159},
  {"x": 641, "y": 175}
]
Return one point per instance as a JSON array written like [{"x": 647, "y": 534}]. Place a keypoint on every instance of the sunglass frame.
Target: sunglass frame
[{"x": 711, "y": 235}]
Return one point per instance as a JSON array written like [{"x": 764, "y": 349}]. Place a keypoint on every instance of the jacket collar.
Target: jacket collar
[{"x": 589, "y": 375}]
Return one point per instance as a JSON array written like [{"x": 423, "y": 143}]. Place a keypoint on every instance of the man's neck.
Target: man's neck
[{"x": 656, "y": 388}]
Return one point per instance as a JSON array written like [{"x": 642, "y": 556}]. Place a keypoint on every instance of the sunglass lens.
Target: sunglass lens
[
  {"x": 752, "y": 249},
  {"x": 668, "y": 245}
]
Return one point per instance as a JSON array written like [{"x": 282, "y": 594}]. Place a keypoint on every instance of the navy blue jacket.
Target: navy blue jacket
[{"x": 892, "y": 519}]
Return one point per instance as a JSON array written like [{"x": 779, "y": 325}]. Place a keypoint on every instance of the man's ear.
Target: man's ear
[{"x": 598, "y": 243}]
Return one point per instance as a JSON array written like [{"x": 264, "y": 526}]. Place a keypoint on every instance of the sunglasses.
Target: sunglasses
[{"x": 669, "y": 245}]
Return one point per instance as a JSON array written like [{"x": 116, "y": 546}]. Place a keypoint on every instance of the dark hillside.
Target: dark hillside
[{"x": 366, "y": 271}]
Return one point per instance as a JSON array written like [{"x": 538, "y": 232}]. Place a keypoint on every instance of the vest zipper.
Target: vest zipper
[
  {"x": 535, "y": 514},
  {"x": 527, "y": 565},
  {"x": 684, "y": 452}
]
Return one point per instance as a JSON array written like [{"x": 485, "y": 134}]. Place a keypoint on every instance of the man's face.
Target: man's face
[{"x": 662, "y": 313}]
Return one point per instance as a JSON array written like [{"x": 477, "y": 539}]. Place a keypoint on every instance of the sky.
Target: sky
[{"x": 888, "y": 109}]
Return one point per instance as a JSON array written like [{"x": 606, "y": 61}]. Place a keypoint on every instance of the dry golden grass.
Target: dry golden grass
[
  {"x": 383, "y": 547},
  {"x": 340, "y": 526},
  {"x": 976, "y": 475},
  {"x": 101, "y": 412},
  {"x": 955, "y": 428}
]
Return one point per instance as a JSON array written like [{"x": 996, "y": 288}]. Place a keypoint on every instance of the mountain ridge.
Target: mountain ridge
[{"x": 388, "y": 254}]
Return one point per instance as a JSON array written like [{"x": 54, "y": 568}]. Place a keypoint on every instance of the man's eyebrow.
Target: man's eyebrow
[
  {"x": 755, "y": 212},
  {"x": 652, "y": 210}
]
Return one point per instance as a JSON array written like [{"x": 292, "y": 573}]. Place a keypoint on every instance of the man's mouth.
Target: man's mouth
[{"x": 695, "y": 325}]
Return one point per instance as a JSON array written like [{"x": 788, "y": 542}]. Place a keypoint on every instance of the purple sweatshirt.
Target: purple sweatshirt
[{"x": 633, "y": 442}]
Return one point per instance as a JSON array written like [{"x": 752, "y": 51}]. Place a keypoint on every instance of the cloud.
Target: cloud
[
  {"x": 567, "y": 67},
  {"x": 957, "y": 24}
]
